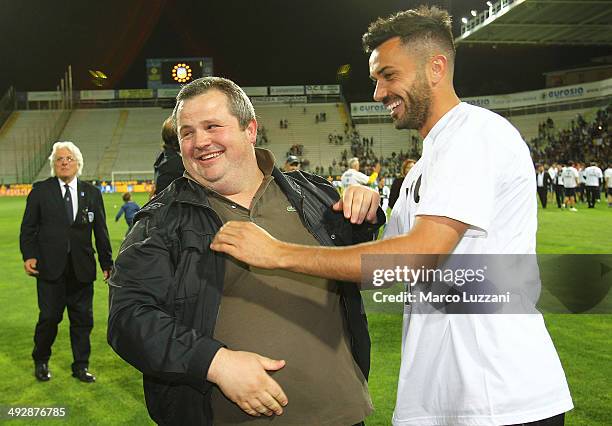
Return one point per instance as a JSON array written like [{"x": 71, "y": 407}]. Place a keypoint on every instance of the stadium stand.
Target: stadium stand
[
  {"x": 24, "y": 133},
  {"x": 114, "y": 139},
  {"x": 127, "y": 139}
]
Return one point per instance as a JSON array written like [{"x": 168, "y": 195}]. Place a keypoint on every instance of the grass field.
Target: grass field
[{"x": 584, "y": 342}]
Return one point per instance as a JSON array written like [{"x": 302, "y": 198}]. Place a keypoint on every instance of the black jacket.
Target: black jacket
[
  {"x": 168, "y": 166},
  {"x": 46, "y": 233},
  {"x": 547, "y": 179},
  {"x": 167, "y": 285}
]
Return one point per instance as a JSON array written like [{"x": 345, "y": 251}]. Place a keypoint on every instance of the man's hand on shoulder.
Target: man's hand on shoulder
[
  {"x": 359, "y": 203},
  {"x": 30, "y": 266},
  {"x": 243, "y": 378}
]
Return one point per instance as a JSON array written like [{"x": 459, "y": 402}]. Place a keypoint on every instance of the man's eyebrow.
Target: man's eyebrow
[{"x": 380, "y": 71}]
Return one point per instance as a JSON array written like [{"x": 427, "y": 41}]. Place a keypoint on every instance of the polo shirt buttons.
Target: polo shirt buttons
[{"x": 333, "y": 236}]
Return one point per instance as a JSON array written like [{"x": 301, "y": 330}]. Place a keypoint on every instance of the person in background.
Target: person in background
[
  {"x": 397, "y": 183},
  {"x": 292, "y": 163},
  {"x": 169, "y": 164},
  {"x": 571, "y": 180},
  {"x": 608, "y": 184},
  {"x": 61, "y": 214},
  {"x": 543, "y": 181},
  {"x": 558, "y": 186},
  {"x": 129, "y": 208},
  {"x": 593, "y": 178},
  {"x": 383, "y": 191},
  {"x": 352, "y": 176}
]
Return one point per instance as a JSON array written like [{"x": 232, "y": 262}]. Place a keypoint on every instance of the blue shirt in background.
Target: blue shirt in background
[{"x": 130, "y": 208}]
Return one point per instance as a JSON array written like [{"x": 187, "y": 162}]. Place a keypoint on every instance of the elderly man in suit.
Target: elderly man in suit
[{"x": 61, "y": 213}]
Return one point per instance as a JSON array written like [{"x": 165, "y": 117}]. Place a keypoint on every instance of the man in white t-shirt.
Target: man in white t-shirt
[
  {"x": 593, "y": 177},
  {"x": 352, "y": 176},
  {"x": 571, "y": 180},
  {"x": 608, "y": 184},
  {"x": 455, "y": 369},
  {"x": 384, "y": 191}
]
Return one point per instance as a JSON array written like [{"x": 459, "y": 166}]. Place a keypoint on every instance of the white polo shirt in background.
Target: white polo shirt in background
[
  {"x": 569, "y": 175},
  {"x": 352, "y": 177},
  {"x": 592, "y": 175},
  {"x": 476, "y": 369},
  {"x": 608, "y": 176}
]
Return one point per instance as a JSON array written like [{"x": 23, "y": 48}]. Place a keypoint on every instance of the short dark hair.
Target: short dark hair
[
  {"x": 238, "y": 102},
  {"x": 423, "y": 24},
  {"x": 168, "y": 134},
  {"x": 127, "y": 196}
]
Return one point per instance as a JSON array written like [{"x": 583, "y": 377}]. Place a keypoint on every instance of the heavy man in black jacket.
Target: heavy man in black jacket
[
  {"x": 55, "y": 240},
  {"x": 204, "y": 329}
]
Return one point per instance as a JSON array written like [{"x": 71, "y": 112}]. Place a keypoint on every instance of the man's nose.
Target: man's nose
[
  {"x": 379, "y": 92},
  {"x": 202, "y": 139}
]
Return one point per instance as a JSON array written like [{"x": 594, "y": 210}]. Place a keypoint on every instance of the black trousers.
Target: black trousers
[
  {"x": 558, "y": 420},
  {"x": 53, "y": 298},
  {"x": 559, "y": 195},
  {"x": 592, "y": 195},
  {"x": 542, "y": 193}
]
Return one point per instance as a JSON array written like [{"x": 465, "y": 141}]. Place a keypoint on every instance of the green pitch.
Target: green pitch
[{"x": 584, "y": 342}]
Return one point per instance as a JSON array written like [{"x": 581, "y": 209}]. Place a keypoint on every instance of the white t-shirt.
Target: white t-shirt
[
  {"x": 384, "y": 197},
  {"x": 608, "y": 176},
  {"x": 570, "y": 176},
  {"x": 592, "y": 175},
  {"x": 352, "y": 176},
  {"x": 552, "y": 172},
  {"x": 476, "y": 369}
]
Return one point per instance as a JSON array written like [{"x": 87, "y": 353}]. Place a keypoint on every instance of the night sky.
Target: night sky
[{"x": 255, "y": 43}]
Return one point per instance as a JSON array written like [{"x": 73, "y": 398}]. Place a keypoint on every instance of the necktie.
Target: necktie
[{"x": 68, "y": 204}]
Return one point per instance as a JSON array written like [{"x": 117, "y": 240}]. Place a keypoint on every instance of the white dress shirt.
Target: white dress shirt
[{"x": 73, "y": 194}]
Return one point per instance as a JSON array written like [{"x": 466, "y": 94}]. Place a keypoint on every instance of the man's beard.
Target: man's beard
[{"x": 417, "y": 105}]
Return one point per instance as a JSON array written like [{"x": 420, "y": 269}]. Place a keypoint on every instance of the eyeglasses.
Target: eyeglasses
[{"x": 67, "y": 159}]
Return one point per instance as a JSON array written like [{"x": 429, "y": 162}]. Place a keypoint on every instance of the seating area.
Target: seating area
[
  {"x": 114, "y": 140},
  {"x": 22, "y": 135},
  {"x": 128, "y": 139}
]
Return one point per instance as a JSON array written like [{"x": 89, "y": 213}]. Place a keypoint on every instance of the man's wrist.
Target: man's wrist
[
  {"x": 216, "y": 365},
  {"x": 285, "y": 255}
]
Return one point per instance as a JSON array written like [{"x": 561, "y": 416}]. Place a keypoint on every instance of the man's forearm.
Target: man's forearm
[
  {"x": 249, "y": 243},
  {"x": 344, "y": 263}
]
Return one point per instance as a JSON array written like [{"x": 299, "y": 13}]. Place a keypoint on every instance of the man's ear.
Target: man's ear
[
  {"x": 438, "y": 68},
  {"x": 251, "y": 131}
]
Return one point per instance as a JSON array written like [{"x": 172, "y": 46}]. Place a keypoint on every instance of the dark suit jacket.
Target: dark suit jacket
[
  {"x": 46, "y": 233},
  {"x": 547, "y": 179}
]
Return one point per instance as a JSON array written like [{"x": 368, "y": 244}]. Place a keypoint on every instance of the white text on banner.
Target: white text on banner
[{"x": 286, "y": 90}]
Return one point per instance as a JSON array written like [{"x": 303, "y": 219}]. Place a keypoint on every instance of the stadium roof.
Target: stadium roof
[{"x": 540, "y": 22}]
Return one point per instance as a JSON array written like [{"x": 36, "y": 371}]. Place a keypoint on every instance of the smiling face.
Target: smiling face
[
  {"x": 401, "y": 84},
  {"x": 65, "y": 165},
  {"x": 216, "y": 151}
]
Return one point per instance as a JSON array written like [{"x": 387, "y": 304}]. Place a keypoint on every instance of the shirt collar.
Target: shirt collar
[
  {"x": 442, "y": 121},
  {"x": 72, "y": 184}
]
